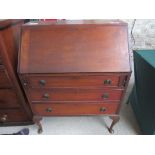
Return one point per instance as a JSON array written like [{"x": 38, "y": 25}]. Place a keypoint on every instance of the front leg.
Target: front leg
[
  {"x": 36, "y": 120},
  {"x": 115, "y": 119}
]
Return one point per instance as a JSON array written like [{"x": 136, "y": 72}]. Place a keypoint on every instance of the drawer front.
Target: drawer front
[
  {"x": 1, "y": 60},
  {"x": 72, "y": 81},
  {"x": 8, "y": 99},
  {"x": 74, "y": 95},
  {"x": 12, "y": 115},
  {"x": 4, "y": 79},
  {"x": 75, "y": 109}
]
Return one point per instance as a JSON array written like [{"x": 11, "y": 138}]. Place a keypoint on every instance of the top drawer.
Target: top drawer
[{"x": 51, "y": 81}]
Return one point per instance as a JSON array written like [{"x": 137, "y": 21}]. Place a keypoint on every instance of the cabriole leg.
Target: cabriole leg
[
  {"x": 115, "y": 119},
  {"x": 36, "y": 120}
]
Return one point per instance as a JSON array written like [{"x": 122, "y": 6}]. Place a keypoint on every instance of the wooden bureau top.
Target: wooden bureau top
[{"x": 74, "y": 47}]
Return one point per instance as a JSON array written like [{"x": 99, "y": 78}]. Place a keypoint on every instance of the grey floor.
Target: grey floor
[{"x": 88, "y": 125}]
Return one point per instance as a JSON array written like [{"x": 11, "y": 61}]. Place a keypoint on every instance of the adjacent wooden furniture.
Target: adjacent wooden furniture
[
  {"x": 142, "y": 98},
  {"x": 72, "y": 68},
  {"x": 14, "y": 109}
]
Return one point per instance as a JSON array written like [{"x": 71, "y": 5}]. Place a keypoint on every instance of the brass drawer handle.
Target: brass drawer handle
[
  {"x": 46, "y": 96},
  {"x": 102, "y": 109},
  {"x": 42, "y": 82},
  {"x": 107, "y": 82},
  {"x": 4, "y": 118},
  {"x": 49, "y": 109},
  {"x": 25, "y": 84},
  {"x": 105, "y": 96}
]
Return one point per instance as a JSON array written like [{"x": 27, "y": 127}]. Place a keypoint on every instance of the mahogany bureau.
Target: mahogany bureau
[
  {"x": 14, "y": 109},
  {"x": 71, "y": 68}
]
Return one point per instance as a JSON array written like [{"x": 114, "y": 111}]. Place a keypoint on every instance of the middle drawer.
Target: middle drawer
[
  {"x": 8, "y": 99},
  {"x": 70, "y": 94}
]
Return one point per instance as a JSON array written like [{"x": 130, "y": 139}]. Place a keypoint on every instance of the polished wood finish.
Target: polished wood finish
[
  {"x": 5, "y": 81},
  {"x": 74, "y": 68},
  {"x": 76, "y": 80},
  {"x": 14, "y": 109},
  {"x": 37, "y": 120},
  {"x": 8, "y": 99},
  {"x": 73, "y": 94},
  {"x": 12, "y": 116},
  {"x": 115, "y": 120},
  {"x": 1, "y": 61},
  {"x": 75, "y": 109},
  {"x": 74, "y": 48}
]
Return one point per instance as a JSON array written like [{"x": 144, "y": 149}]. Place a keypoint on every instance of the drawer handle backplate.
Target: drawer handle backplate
[
  {"x": 3, "y": 118},
  {"x": 107, "y": 82},
  {"x": 42, "y": 82},
  {"x": 46, "y": 96},
  {"x": 49, "y": 109},
  {"x": 102, "y": 109},
  {"x": 105, "y": 96}
]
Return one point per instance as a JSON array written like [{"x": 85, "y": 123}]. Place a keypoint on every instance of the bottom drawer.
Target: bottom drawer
[
  {"x": 12, "y": 115},
  {"x": 74, "y": 109}
]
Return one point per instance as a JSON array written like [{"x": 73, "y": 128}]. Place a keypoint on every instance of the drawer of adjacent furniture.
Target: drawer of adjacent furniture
[
  {"x": 12, "y": 115},
  {"x": 8, "y": 99},
  {"x": 1, "y": 60},
  {"x": 4, "y": 78},
  {"x": 40, "y": 81},
  {"x": 73, "y": 94},
  {"x": 74, "y": 109}
]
